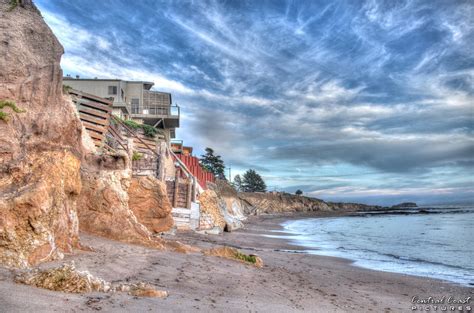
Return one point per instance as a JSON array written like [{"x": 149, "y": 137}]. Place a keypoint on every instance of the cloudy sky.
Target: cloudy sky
[{"x": 347, "y": 100}]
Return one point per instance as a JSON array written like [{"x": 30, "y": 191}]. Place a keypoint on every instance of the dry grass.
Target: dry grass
[
  {"x": 68, "y": 279},
  {"x": 234, "y": 254},
  {"x": 146, "y": 290}
]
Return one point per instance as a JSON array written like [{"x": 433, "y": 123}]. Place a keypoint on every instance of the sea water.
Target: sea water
[{"x": 432, "y": 242}]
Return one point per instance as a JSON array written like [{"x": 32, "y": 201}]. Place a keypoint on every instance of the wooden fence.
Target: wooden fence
[{"x": 192, "y": 163}]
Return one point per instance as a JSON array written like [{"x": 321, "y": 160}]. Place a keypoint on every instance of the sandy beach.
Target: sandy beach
[{"x": 288, "y": 282}]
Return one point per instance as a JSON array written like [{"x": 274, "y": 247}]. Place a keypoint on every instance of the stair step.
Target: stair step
[
  {"x": 181, "y": 211},
  {"x": 181, "y": 216},
  {"x": 181, "y": 220}
]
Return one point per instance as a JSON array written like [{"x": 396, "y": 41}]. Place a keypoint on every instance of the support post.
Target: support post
[
  {"x": 176, "y": 189},
  {"x": 193, "y": 191},
  {"x": 189, "y": 194}
]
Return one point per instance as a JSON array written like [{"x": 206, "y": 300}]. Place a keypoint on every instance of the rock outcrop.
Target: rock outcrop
[
  {"x": 211, "y": 215},
  {"x": 40, "y": 143},
  {"x": 279, "y": 202},
  {"x": 149, "y": 202},
  {"x": 269, "y": 203},
  {"x": 231, "y": 205},
  {"x": 221, "y": 208},
  {"x": 104, "y": 201}
]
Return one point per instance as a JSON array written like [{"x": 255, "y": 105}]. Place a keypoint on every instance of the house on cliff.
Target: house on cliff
[
  {"x": 127, "y": 116},
  {"x": 133, "y": 100}
]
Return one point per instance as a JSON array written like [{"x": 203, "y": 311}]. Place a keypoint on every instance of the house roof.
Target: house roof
[{"x": 146, "y": 83}]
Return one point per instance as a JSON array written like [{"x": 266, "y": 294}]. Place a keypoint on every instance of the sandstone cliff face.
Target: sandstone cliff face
[
  {"x": 40, "y": 149},
  {"x": 103, "y": 206},
  {"x": 149, "y": 202},
  {"x": 221, "y": 208},
  {"x": 211, "y": 214},
  {"x": 110, "y": 204}
]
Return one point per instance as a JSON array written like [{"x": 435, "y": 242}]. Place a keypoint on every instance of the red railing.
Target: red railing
[{"x": 192, "y": 163}]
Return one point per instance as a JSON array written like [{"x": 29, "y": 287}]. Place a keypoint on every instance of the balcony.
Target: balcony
[{"x": 152, "y": 114}]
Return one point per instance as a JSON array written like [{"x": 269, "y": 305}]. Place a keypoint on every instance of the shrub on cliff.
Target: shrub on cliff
[
  {"x": 148, "y": 130},
  {"x": 253, "y": 182},
  {"x": 5, "y": 103}
]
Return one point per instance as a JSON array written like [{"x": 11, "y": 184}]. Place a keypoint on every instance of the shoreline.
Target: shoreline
[
  {"x": 281, "y": 233},
  {"x": 288, "y": 282}
]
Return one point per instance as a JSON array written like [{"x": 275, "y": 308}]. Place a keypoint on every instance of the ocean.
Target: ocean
[{"x": 433, "y": 242}]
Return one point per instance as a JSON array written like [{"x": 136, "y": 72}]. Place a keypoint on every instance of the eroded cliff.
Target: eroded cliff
[
  {"x": 40, "y": 143},
  {"x": 278, "y": 202},
  {"x": 221, "y": 208},
  {"x": 53, "y": 181}
]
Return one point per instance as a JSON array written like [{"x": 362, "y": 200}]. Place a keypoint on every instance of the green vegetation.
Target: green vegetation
[
  {"x": 6, "y": 103},
  {"x": 148, "y": 130},
  {"x": 244, "y": 257},
  {"x": 132, "y": 124},
  {"x": 213, "y": 163},
  {"x": 253, "y": 182},
  {"x": 137, "y": 156},
  {"x": 13, "y": 5},
  {"x": 298, "y": 192}
]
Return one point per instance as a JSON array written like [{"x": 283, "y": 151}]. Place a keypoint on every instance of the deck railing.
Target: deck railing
[{"x": 172, "y": 110}]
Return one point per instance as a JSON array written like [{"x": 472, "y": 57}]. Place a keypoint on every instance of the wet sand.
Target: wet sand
[{"x": 288, "y": 282}]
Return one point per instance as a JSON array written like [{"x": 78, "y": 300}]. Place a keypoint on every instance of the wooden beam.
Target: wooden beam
[
  {"x": 95, "y": 112},
  {"x": 92, "y": 119}
]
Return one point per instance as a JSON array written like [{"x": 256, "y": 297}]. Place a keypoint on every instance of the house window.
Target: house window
[
  {"x": 112, "y": 90},
  {"x": 122, "y": 93},
  {"x": 135, "y": 106}
]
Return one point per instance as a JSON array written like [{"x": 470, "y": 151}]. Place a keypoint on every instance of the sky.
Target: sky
[{"x": 362, "y": 101}]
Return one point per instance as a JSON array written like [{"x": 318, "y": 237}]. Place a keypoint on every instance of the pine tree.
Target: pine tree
[
  {"x": 253, "y": 182},
  {"x": 213, "y": 163},
  {"x": 237, "y": 183}
]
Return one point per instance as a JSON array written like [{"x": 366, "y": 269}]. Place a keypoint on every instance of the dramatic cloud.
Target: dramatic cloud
[{"x": 368, "y": 101}]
